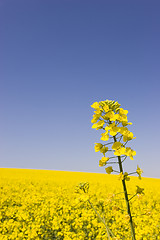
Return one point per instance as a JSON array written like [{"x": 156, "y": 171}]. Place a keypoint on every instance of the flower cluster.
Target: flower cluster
[{"x": 112, "y": 119}]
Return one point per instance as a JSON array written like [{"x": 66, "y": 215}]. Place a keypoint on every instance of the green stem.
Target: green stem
[
  {"x": 132, "y": 197},
  {"x": 111, "y": 162},
  {"x": 116, "y": 171},
  {"x": 126, "y": 196},
  {"x": 109, "y": 232},
  {"x": 132, "y": 173}
]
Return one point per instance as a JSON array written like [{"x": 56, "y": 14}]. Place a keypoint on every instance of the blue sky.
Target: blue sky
[{"x": 57, "y": 58}]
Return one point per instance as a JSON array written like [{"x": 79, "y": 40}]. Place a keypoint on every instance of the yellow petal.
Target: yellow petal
[
  {"x": 98, "y": 146},
  {"x": 109, "y": 170},
  {"x": 122, "y": 111},
  {"x": 116, "y": 145},
  {"x": 106, "y": 108},
  {"x": 95, "y": 105},
  {"x": 104, "y": 137}
]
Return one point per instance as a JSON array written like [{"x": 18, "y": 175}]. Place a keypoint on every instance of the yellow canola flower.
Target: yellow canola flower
[
  {"x": 109, "y": 170},
  {"x": 128, "y": 136},
  {"x": 112, "y": 104},
  {"x": 133, "y": 153},
  {"x": 98, "y": 111},
  {"x": 130, "y": 152},
  {"x": 122, "y": 111},
  {"x": 106, "y": 108},
  {"x": 103, "y": 161},
  {"x": 107, "y": 128},
  {"x": 95, "y": 117},
  {"x": 120, "y": 151},
  {"x": 98, "y": 146},
  {"x": 94, "y": 120},
  {"x": 128, "y": 123},
  {"x": 139, "y": 190},
  {"x": 104, "y": 137},
  {"x": 123, "y": 130},
  {"x": 109, "y": 116},
  {"x": 124, "y": 118},
  {"x": 125, "y": 122},
  {"x": 121, "y": 176},
  {"x": 113, "y": 117},
  {"x": 116, "y": 145},
  {"x": 95, "y": 105},
  {"x": 104, "y": 150},
  {"x": 98, "y": 125},
  {"x": 139, "y": 171},
  {"x": 116, "y": 116},
  {"x": 114, "y": 131},
  {"x": 126, "y": 176},
  {"x": 111, "y": 125},
  {"x": 121, "y": 118}
]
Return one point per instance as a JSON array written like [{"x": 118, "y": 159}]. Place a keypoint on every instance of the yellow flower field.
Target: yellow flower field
[{"x": 43, "y": 204}]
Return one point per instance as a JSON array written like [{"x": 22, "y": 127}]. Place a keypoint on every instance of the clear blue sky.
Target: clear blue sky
[{"x": 57, "y": 58}]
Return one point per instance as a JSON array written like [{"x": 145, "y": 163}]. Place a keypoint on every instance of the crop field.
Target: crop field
[{"x": 43, "y": 204}]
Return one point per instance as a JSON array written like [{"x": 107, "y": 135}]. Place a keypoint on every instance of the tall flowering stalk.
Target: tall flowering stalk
[{"x": 112, "y": 119}]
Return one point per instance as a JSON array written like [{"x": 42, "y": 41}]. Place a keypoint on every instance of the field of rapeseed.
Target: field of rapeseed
[{"x": 39, "y": 204}]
